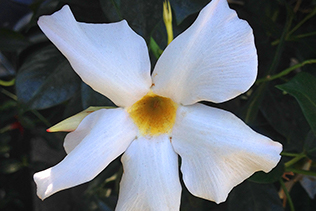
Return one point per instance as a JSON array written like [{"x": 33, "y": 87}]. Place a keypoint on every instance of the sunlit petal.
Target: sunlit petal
[
  {"x": 103, "y": 120},
  {"x": 107, "y": 134},
  {"x": 151, "y": 179},
  {"x": 218, "y": 151},
  {"x": 111, "y": 58},
  {"x": 213, "y": 60}
]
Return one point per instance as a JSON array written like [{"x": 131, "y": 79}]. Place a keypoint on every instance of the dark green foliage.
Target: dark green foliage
[
  {"x": 281, "y": 104},
  {"x": 303, "y": 88},
  {"x": 45, "y": 79},
  {"x": 254, "y": 197}
]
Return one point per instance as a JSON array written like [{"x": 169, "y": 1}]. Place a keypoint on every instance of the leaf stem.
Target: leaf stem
[
  {"x": 280, "y": 46},
  {"x": 9, "y": 94},
  {"x": 289, "y": 154},
  {"x": 287, "y": 195},
  {"x": 294, "y": 160},
  {"x": 259, "y": 94},
  {"x": 310, "y": 15},
  {"x": 35, "y": 112},
  {"x": 300, "y": 171},
  {"x": 286, "y": 71},
  {"x": 7, "y": 83},
  {"x": 40, "y": 117},
  {"x": 304, "y": 35}
]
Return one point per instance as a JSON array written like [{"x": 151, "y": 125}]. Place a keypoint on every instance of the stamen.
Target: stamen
[{"x": 153, "y": 114}]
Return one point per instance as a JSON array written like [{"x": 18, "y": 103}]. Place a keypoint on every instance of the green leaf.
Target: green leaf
[
  {"x": 273, "y": 176},
  {"x": 303, "y": 88},
  {"x": 250, "y": 196},
  {"x": 154, "y": 47},
  {"x": 284, "y": 114},
  {"x": 310, "y": 146},
  {"x": 46, "y": 79}
]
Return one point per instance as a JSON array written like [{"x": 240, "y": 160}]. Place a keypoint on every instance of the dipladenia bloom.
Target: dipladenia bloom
[{"x": 158, "y": 116}]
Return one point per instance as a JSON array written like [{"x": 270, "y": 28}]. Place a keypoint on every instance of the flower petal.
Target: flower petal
[
  {"x": 151, "y": 178},
  {"x": 214, "y": 60},
  {"x": 111, "y": 58},
  {"x": 107, "y": 135},
  {"x": 94, "y": 122},
  {"x": 219, "y": 151}
]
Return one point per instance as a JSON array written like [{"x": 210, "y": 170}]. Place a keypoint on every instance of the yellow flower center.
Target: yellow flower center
[{"x": 153, "y": 114}]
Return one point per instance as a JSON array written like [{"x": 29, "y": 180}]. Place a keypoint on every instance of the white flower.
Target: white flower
[{"x": 159, "y": 116}]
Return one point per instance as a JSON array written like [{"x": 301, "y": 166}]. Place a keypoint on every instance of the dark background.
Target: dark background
[{"x": 39, "y": 88}]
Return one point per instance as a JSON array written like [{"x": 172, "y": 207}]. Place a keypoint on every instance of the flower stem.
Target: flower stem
[{"x": 287, "y": 195}]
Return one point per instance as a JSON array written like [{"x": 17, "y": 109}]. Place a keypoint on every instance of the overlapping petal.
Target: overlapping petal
[
  {"x": 151, "y": 179},
  {"x": 219, "y": 151},
  {"x": 214, "y": 60},
  {"x": 111, "y": 58},
  {"x": 99, "y": 139},
  {"x": 103, "y": 121}
]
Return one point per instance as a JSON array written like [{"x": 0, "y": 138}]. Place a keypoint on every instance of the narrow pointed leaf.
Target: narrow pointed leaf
[{"x": 303, "y": 88}]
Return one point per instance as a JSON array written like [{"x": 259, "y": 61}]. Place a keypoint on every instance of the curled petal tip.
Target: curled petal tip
[{"x": 40, "y": 178}]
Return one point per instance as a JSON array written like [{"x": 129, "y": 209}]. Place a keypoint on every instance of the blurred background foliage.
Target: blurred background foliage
[{"x": 38, "y": 88}]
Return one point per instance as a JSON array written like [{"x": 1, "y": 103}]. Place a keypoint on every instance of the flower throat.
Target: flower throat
[{"x": 153, "y": 114}]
